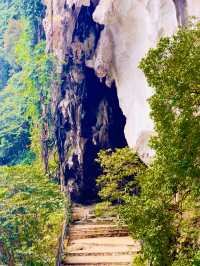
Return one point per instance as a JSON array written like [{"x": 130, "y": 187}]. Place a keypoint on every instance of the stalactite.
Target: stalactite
[{"x": 87, "y": 116}]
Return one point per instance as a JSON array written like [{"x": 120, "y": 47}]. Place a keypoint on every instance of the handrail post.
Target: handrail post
[{"x": 65, "y": 229}]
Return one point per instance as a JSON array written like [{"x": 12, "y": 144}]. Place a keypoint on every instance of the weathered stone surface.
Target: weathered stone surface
[
  {"x": 193, "y": 8},
  {"x": 86, "y": 112},
  {"x": 97, "y": 241},
  {"x": 98, "y": 42},
  {"x": 132, "y": 27}
]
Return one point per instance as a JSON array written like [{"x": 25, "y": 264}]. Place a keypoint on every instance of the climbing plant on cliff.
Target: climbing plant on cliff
[
  {"x": 22, "y": 99},
  {"x": 11, "y": 12},
  {"x": 13, "y": 15},
  {"x": 166, "y": 214},
  {"x": 32, "y": 207}
]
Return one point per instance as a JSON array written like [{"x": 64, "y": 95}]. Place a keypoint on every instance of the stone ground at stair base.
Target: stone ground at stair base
[{"x": 96, "y": 241}]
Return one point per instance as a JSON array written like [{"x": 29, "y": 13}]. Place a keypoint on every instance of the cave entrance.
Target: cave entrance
[{"x": 102, "y": 128}]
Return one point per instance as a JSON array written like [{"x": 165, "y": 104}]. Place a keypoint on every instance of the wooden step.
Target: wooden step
[
  {"x": 106, "y": 241},
  {"x": 96, "y": 231},
  {"x": 116, "y": 233},
  {"x": 96, "y": 260},
  {"x": 96, "y": 241},
  {"x": 101, "y": 250},
  {"x": 105, "y": 232},
  {"x": 95, "y": 227},
  {"x": 92, "y": 226},
  {"x": 97, "y": 264},
  {"x": 94, "y": 221}
]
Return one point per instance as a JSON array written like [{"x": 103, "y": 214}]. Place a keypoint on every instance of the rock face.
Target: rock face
[
  {"x": 132, "y": 27},
  {"x": 193, "y": 8},
  {"x": 99, "y": 43},
  {"x": 86, "y": 112}
]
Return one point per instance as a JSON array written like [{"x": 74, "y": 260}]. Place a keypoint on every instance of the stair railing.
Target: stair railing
[{"x": 65, "y": 228}]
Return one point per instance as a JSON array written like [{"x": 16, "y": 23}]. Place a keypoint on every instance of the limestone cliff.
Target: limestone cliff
[
  {"x": 99, "y": 44},
  {"x": 87, "y": 116},
  {"x": 132, "y": 27}
]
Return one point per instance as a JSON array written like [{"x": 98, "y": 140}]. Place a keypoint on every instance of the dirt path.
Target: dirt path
[{"x": 97, "y": 241}]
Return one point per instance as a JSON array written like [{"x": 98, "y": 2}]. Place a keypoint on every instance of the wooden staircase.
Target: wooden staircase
[{"x": 97, "y": 241}]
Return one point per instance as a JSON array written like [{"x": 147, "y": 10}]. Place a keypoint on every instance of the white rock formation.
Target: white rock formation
[
  {"x": 135, "y": 26},
  {"x": 193, "y": 8},
  {"x": 78, "y": 3},
  {"x": 131, "y": 28}
]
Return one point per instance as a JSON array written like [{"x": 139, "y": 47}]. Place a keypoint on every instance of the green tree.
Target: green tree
[
  {"x": 120, "y": 169},
  {"x": 14, "y": 129},
  {"x": 31, "y": 216},
  {"x": 32, "y": 209},
  {"x": 4, "y": 73},
  {"x": 165, "y": 215},
  {"x": 8, "y": 11},
  {"x": 21, "y": 99},
  {"x": 13, "y": 14}
]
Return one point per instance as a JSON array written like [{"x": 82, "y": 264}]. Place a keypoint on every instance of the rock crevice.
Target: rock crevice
[
  {"x": 99, "y": 44},
  {"x": 87, "y": 113}
]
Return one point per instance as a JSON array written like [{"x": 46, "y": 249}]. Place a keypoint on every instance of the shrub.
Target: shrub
[{"x": 32, "y": 210}]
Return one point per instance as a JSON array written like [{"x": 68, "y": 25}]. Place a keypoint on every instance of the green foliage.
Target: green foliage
[
  {"x": 11, "y": 11},
  {"x": 10, "y": 38},
  {"x": 31, "y": 205},
  {"x": 166, "y": 212},
  {"x": 4, "y": 73},
  {"x": 32, "y": 10},
  {"x": 8, "y": 10},
  {"x": 120, "y": 169},
  {"x": 37, "y": 72},
  {"x": 150, "y": 218},
  {"x": 173, "y": 70},
  {"x": 16, "y": 18},
  {"x": 14, "y": 129},
  {"x": 31, "y": 215},
  {"x": 104, "y": 207},
  {"x": 20, "y": 100}
]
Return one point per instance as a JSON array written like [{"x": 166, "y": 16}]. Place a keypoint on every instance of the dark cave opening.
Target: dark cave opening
[
  {"x": 102, "y": 127},
  {"x": 88, "y": 116},
  {"x": 99, "y": 94}
]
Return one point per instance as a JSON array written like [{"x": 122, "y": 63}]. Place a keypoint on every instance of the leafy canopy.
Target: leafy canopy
[
  {"x": 16, "y": 18},
  {"x": 20, "y": 100},
  {"x": 120, "y": 169},
  {"x": 31, "y": 216},
  {"x": 32, "y": 208},
  {"x": 165, "y": 214}
]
